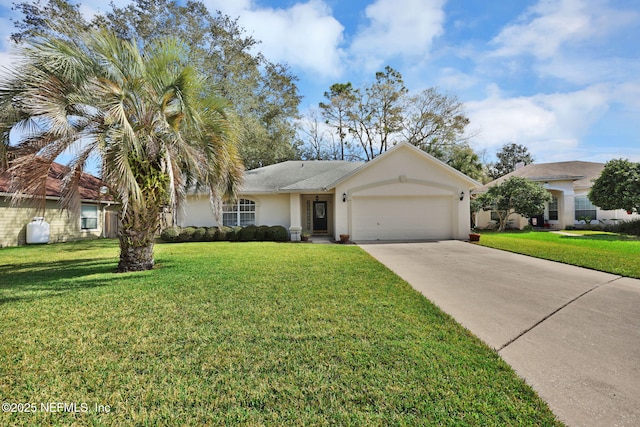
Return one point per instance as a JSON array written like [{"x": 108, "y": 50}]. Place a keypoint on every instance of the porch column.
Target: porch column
[
  {"x": 566, "y": 210},
  {"x": 295, "y": 226}
]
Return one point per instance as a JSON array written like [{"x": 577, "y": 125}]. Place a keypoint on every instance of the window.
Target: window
[
  {"x": 242, "y": 213},
  {"x": 495, "y": 216},
  {"x": 89, "y": 217},
  {"x": 553, "y": 209},
  {"x": 584, "y": 208}
]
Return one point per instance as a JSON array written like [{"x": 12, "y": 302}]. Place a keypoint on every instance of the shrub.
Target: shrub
[
  {"x": 222, "y": 233},
  {"x": 186, "y": 235},
  {"x": 170, "y": 234},
  {"x": 628, "y": 227},
  {"x": 264, "y": 234},
  {"x": 233, "y": 235},
  {"x": 280, "y": 234},
  {"x": 248, "y": 233},
  {"x": 210, "y": 234},
  {"x": 198, "y": 235}
]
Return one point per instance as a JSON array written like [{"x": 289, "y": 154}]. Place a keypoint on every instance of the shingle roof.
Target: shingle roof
[
  {"x": 581, "y": 173},
  {"x": 89, "y": 185},
  {"x": 297, "y": 175}
]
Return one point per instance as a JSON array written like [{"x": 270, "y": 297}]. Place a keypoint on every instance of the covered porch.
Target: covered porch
[{"x": 312, "y": 213}]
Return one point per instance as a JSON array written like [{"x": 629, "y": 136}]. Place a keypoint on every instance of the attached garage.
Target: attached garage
[
  {"x": 404, "y": 194},
  {"x": 402, "y": 218}
]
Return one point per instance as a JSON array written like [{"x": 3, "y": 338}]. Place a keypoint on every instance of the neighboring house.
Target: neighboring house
[
  {"x": 569, "y": 184},
  {"x": 403, "y": 194},
  {"x": 63, "y": 225}
]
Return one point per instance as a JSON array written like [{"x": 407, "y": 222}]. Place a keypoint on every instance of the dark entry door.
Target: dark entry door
[
  {"x": 320, "y": 217},
  {"x": 537, "y": 221}
]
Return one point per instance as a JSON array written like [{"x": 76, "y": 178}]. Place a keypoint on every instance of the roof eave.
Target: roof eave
[
  {"x": 57, "y": 198},
  {"x": 556, "y": 178},
  {"x": 472, "y": 182}
]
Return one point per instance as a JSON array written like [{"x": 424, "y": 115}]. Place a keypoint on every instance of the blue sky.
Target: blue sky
[{"x": 559, "y": 76}]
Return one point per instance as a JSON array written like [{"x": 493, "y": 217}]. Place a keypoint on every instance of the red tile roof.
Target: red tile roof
[{"x": 89, "y": 184}]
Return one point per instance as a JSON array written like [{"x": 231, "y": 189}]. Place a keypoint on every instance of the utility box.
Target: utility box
[{"x": 38, "y": 231}]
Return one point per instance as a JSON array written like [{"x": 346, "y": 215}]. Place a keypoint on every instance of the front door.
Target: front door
[
  {"x": 537, "y": 221},
  {"x": 320, "y": 217}
]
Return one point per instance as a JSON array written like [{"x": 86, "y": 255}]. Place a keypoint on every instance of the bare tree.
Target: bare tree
[
  {"x": 317, "y": 143},
  {"x": 336, "y": 112},
  {"x": 434, "y": 122}
]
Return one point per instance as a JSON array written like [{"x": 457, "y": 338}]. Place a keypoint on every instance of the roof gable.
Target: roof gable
[
  {"x": 418, "y": 154},
  {"x": 581, "y": 173}
]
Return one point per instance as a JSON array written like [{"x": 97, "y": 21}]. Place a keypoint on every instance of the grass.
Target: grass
[
  {"x": 240, "y": 334},
  {"x": 609, "y": 252}
]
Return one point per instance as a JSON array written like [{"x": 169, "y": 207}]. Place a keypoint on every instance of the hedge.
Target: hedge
[{"x": 250, "y": 233}]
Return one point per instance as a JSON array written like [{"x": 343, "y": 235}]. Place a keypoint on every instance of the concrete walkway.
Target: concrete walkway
[{"x": 572, "y": 333}]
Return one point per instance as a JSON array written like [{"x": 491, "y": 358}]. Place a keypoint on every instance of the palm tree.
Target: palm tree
[{"x": 152, "y": 121}]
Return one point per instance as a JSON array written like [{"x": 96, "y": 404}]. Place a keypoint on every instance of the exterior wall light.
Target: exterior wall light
[
  {"x": 461, "y": 195},
  {"x": 344, "y": 197}
]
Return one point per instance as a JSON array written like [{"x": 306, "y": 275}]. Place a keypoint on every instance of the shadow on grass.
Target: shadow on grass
[
  {"x": 602, "y": 237},
  {"x": 30, "y": 281}
]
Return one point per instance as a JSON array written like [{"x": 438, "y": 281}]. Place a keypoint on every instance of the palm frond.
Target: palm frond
[{"x": 140, "y": 113}]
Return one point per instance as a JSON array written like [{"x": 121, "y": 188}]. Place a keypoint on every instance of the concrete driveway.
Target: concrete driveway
[{"x": 573, "y": 334}]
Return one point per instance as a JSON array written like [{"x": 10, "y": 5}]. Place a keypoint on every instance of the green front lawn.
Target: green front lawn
[
  {"x": 240, "y": 334},
  {"x": 598, "y": 250}
]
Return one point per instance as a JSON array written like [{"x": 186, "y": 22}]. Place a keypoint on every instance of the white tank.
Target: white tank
[{"x": 38, "y": 231}]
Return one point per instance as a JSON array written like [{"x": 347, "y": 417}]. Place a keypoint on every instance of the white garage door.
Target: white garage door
[{"x": 401, "y": 218}]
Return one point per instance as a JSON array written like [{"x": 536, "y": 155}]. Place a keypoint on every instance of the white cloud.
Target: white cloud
[
  {"x": 544, "y": 28},
  {"x": 90, "y": 8},
  {"x": 398, "y": 28},
  {"x": 628, "y": 94},
  {"x": 451, "y": 78},
  {"x": 7, "y": 61},
  {"x": 7, "y": 58},
  {"x": 549, "y": 26},
  {"x": 548, "y": 124},
  {"x": 232, "y": 8},
  {"x": 305, "y": 35},
  {"x": 581, "y": 70}
]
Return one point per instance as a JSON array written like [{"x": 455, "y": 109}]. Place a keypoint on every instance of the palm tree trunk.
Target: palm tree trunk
[
  {"x": 137, "y": 236},
  {"x": 134, "y": 255}
]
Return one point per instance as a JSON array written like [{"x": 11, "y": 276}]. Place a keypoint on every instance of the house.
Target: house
[
  {"x": 63, "y": 226},
  {"x": 569, "y": 184},
  {"x": 403, "y": 194}
]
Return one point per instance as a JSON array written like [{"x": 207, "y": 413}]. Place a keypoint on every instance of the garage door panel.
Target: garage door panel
[{"x": 401, "y": 218}]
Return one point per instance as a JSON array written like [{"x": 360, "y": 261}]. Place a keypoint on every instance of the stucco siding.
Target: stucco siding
[
  {"x": 197, "y": 212},
  {"x": 63, "y": 226},
  {"x": 566, "y": 195},
  {"x": 271, "y": 209},
  {"x": 401, "y": 181},
  {"x": 612, "y": 216}
]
